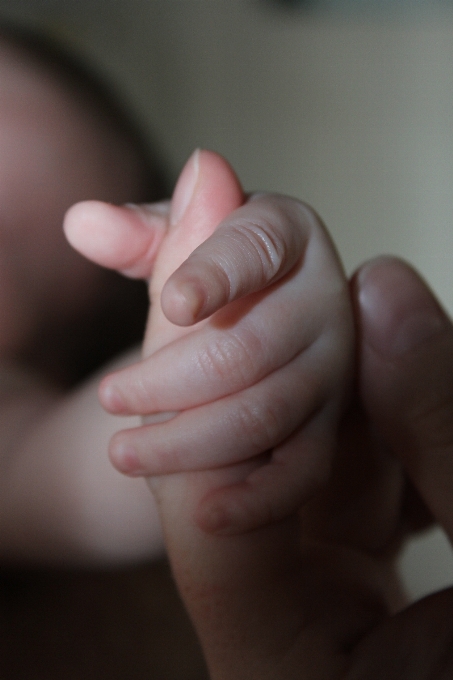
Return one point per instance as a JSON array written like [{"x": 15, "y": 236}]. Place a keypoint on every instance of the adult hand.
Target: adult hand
[{"x": 317, "y": 595}]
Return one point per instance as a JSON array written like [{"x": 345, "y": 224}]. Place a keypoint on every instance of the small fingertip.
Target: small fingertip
[
  {"x": 110, "y": 398},
  {"x": 126, "y": 238},
  {"x": 124, "y": 458},
  {"x": 183, "y": 304}
]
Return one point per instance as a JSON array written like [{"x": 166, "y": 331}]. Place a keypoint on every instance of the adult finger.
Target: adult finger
[
  {"x": 125, "y": 238},
  {"x": 406, "y": 376}
]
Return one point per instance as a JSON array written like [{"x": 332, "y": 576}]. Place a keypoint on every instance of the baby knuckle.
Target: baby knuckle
[
  {"x": 231, "y": 358},
  {"x": 249, "y": 423},
  {"x": 218, "y": 359},
  {"x": 262, "y": 423}
]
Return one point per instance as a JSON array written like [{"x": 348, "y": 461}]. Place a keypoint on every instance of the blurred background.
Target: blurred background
[{"x": 347, "y": 104}]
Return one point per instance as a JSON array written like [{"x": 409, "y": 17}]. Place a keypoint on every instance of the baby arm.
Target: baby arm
[
  {"x": 263, "y": 379},
  {"x": 61, "y": 501}
]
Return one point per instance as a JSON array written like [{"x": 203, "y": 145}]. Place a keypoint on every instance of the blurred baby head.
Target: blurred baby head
[{"x": 63, "y": 138}]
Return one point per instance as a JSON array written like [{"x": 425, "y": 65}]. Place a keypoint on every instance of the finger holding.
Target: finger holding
[
  {"x": 125, "y": 238},
  {"x": 245, "y": 341},
  {"x": 218, "y": 358},
  {"x": 279, "y": 486},
  {"x": 406, "y": 377},
  {"x": 191, "y": 371},
  {"x": 227, "y": 431},
  {"x": 253, "y": 247}
]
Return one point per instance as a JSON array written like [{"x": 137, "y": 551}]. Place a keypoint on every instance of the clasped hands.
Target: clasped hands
[{"x": 298, "y": 464}]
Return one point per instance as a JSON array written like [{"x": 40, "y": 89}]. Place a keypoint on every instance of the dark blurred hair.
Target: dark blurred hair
[
  {"x": 119, "y": 322},
  {"x": 75, "y": 73}
]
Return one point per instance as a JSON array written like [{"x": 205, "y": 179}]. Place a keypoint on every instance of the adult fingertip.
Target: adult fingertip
[
  {"x": 405, "y": 376},
  {"x": 397, "y": 312},
  {"x": 126, "y": 238}
]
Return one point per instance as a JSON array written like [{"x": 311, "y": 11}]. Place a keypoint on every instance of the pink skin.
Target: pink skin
[
  {"x": 316, "y": 594},
  {"x": 264, "y": 377}
]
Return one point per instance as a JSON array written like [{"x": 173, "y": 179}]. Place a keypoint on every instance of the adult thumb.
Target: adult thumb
[
  {"x": 207, "y": 191},
  {"x": 406, "y": 376}
]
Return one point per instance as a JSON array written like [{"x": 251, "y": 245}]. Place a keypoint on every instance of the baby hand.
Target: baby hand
[{"x": 264, "y": 378}]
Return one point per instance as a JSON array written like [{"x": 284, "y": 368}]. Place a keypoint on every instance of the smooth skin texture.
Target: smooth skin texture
[{"x": 265, "y": 377}]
